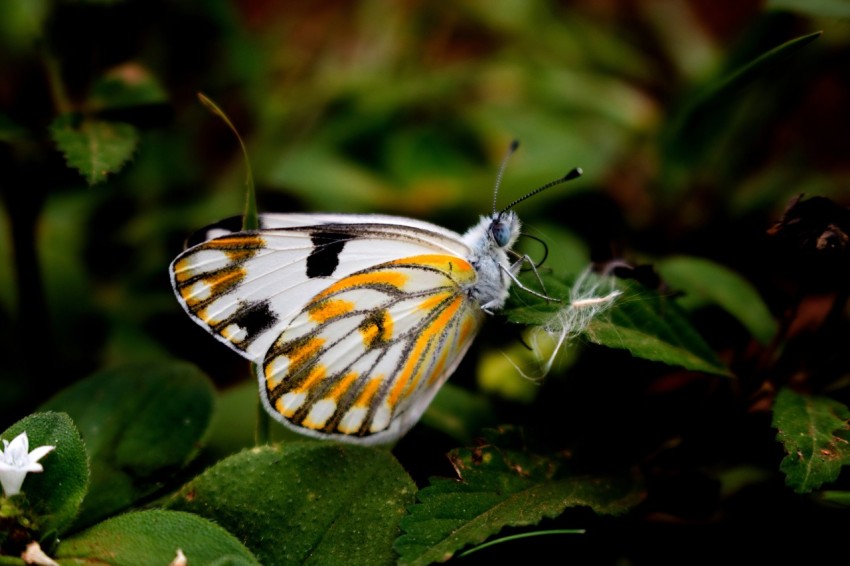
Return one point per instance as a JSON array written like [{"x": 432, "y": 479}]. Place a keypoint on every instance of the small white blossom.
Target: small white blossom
[{"x": 16, "y": 461}]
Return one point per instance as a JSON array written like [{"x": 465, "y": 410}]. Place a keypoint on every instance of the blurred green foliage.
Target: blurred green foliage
[{"x": 695, "y": 123}]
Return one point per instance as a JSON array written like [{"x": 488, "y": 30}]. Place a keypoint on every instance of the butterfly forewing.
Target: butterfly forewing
[
  {"x": 366, "y": 355},
  {"x": 246, "y": 287}
]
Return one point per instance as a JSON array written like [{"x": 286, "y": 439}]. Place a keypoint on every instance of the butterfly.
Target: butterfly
[{"x": 353, "y": 321}]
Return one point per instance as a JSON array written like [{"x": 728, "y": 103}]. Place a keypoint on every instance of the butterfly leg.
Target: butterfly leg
[{"x": 514, "y": 269}]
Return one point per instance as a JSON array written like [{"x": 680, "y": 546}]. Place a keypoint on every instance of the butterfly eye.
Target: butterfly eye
[{"x": 501, "y": 233}]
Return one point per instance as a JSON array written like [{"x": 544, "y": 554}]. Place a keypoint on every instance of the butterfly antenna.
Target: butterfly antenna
[
  {"x": 511, "y": 150},
  {"x": 573, "y": 174}
]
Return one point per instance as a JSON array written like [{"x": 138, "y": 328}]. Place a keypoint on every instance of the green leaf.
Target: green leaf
[
  {"x": 645, "y": 323},
  {"x": 500, "y": 488},
  {"x": 141, "y": 424},
  {"x": 54, "y": 495},
  {"x": 704, "y": 281},
  {"x": 815, "y": 434},
  {"x": 306, "y": 502},
  {"x": 653, "y": 327},
  {"x": 95, "y": 148},
  {"x": 153, "y": 537}
]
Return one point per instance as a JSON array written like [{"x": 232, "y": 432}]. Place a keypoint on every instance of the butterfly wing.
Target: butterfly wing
[
  {"x": 245, "y": 287},
  {"x": 365, "y": 357},
  {"x": 354, "y": 321}
]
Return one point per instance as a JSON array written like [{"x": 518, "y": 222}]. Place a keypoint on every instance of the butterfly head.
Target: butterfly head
[{"x": 504, "y": 228}]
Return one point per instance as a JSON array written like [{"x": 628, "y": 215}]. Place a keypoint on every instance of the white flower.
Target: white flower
[{"x": 16, "y": 462}]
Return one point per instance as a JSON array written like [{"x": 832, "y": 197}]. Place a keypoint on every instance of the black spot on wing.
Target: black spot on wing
[
  {"x": 255, "y": 319},
  {"x": 324, "y": 259}
]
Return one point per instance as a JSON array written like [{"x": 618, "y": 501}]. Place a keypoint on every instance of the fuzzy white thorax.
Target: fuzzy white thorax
[{"x": 490, "y": 259}]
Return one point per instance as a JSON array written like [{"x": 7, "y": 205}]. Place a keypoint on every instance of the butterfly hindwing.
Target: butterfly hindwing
[{"x": 366, "y": 355}]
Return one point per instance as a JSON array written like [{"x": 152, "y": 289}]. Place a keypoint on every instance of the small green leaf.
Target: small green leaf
[
  {"x": 306, "y": 502},
  {"x": 141, "y": 423},
  {"x": 500, "y": 488},
  {"x": 55, "y": 494},
  {"x": 95, "y": 148},
  {"x": 154, "y": 537},
  {"x": 645, "y": 323},
  {"x": 705, "y": 281},
  {"x": 815, "y": 434}
]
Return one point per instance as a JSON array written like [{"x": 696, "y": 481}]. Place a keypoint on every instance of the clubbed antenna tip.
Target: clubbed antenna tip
[{"x": 573, "y": 174}]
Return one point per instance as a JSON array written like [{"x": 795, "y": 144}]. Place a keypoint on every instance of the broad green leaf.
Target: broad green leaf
[
  {"x": 704, "y": 281},
  {"x": 817, "y": 8},
  {"x": 306, "y": 502},
  {"x": 645, "y": 323},
  {"x": 815, "y": 434},
  {"x": 54, "y": 495},
  {"x": 141, "y": 424},
  {"x": 655, "y": 328},
  {"x": 154, "y": 537},
  {"x": 95, "y": 148},
  {"x": 499, "y": 488}
]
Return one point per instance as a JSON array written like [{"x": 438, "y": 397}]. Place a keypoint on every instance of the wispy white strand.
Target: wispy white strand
[{"x": 590, "y": 296}]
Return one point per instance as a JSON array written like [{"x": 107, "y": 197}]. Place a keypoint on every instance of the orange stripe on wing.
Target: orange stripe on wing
[
  {"x": 424, "y": 343},
  {"x": 316, "y": 374},
  {"x": 216, "y": 284},
  {"x": 369, "y": 391},
  {"x": 235, "y": 243},
  {"x": 447, "y": 263},
  {"x": 377, "y": 278},
  {"x": 322, "y": 311},
  {"x": 434, "y": 300},
  {"x": 340, "y": 388}
]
